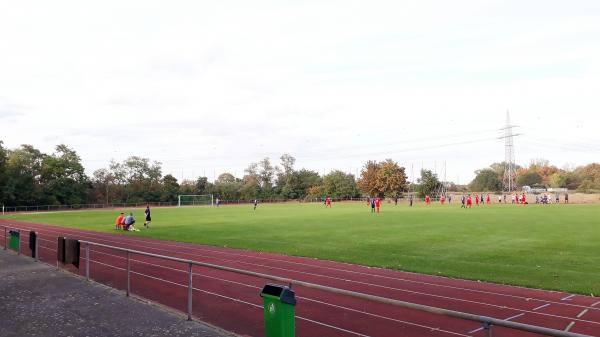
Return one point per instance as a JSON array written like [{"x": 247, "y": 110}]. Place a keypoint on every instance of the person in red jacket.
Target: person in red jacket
[
  {"x": 377, "y": 204},
  {"x": 476, "y": 200},
  {"x": 427, "y": 200},
  {"x": 119, "y": 224}
]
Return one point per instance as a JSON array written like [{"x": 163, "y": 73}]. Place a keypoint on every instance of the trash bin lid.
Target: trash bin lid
[{"x": 284, "y": 293}]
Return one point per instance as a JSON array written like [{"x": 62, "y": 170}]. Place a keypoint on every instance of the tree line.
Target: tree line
[
  {"x": 540, "y": 174},
  {"x": 30, "y": 177}
]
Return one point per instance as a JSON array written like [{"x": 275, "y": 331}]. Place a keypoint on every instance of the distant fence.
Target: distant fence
[
  {"x": 450, "y": 198},
  {"x": 55, "y": 208}
]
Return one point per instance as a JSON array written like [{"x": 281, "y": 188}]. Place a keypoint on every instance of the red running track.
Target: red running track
[{"x": 232, "y": 301}]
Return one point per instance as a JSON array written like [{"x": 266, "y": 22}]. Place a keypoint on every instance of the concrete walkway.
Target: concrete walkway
[{"x": 37, "y": 300}]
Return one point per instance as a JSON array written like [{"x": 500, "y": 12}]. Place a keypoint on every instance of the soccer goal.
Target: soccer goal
[{"x": 195, "y": 200}]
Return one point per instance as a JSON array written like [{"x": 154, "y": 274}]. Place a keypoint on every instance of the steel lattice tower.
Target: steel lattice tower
[{"x": 510, "y": 174}]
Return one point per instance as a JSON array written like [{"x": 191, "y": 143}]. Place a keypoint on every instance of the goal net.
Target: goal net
[{"x": 195, "y": 200}]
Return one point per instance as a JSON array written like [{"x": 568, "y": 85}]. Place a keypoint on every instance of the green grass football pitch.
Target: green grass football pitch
[{"x": 541, "y": 246}]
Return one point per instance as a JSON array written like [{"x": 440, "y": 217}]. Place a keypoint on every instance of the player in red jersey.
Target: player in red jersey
[
  {"x": 488, "y": 200},
  {"x": 476, "y": 200},
  {"x": 469, "y": 201},
  {"x": 427, "y": 200},
  {"x": 442, "y": 199},
  {"x": 523, "y": 200},
  {"x": 377, "y": 204},
  {"x": 328, "y": 202}
]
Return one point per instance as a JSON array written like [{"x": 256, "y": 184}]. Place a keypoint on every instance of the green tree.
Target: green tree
[
  {"x": 63, "y": 177},
  {"x": 305, "y": 180},
  {"x": 486, "y": 180},
  {"x": 338, "y": 184},
  {"x": 170, "y": 188},
  {"x": 287, "y": 179},
  {"x": 23, "y": 171},
  {"x": 137, "y": 179},
  {"x": 3, "y": 176},
  {"x": 428, "y": 183},
  {"x": 529, "y": 178},
  {"x": 203, "y": 186},
  {"x": 102, "y": 186},
  {"x": 558, "y": 179},
  {"x": 266, "y": 173}
]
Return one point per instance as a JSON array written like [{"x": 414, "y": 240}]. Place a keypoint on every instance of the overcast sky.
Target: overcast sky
[{"x": 210, "y": 86}]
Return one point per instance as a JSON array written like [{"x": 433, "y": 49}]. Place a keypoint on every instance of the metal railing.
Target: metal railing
[{"x": 487, "y": 322}]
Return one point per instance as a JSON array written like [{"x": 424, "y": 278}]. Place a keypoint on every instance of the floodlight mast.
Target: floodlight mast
[{"x": 509, "y": 179}]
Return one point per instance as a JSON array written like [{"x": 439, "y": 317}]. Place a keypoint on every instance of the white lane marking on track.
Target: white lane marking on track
[
  {"x": 506, "y": 319},
  {"x": 567, "y": 298},
  {"x": 255, "y": 287},
  {"x": 124, "y": 239},
  {"x": 541, "y": 307},
  {"x": 350, "y": 309},
  {"x": 558, "y": 316},
  {"x": 235, "y": 300},
  {"x": 515, "y": 316},
  {"x": 260, "y": 306},
  {"x": 582, "y": 313},
  {"x": 569, "y": 326},
  {"x": 474, "y": 331},
  {"x": 84, "y": 233},
  {"x": 595, "y": 304}
]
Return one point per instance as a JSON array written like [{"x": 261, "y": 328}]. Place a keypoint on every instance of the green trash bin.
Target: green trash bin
[
  {"x": 14, "y": 240},
  {"x": 279, "y": 310}
]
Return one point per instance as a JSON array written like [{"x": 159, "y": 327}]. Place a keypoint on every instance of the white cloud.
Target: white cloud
[{"x": 207, "y": 87}]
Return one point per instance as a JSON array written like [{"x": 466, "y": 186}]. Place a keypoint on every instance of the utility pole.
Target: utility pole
[{"x": 509, "y": 179}]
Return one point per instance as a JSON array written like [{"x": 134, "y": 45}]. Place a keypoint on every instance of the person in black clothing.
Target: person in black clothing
[
  {"x": 255, "y": 203},
  {"x": 372, "y": 205},
  {"x": 148, "y": 217}
]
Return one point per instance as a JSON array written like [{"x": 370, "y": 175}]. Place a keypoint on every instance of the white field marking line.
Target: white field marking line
[
  {"x": 425, "y": 294},
  {"x": 255, "y": 287},
  {"x": 506, "y": 319},
  {"x": 232, "y": 299},
  {"x": 541, "y": 307},
  {"x": 523, "y": 311},
  {"x": 582, "y": 313},
  {"x": 190, "y": 247},
  {"x": 569, "y": 326},
  {"x": 567, "y": 298}
]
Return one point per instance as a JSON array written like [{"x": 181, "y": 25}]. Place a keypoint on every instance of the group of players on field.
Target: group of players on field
[{"x": 465, "y": 200}]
